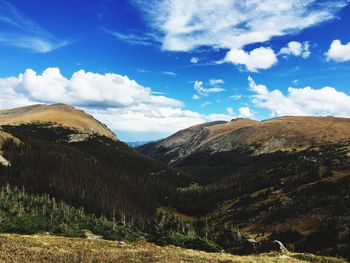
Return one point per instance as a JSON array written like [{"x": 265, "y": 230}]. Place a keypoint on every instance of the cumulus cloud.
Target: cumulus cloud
[
  {"x": 194, "y": 60},
  {"x": 295, "y": 48},
  {"x": 259, "y": 58},
  {"x": 243, "y": 112},
  {"x": 146, "y": 118},
  {"x": 301, "y": 101},
  {"x": 120, "y": 102},
  {"x": 184, "y": 25},
  {"x": 195, "y": 97},
  {"x": 338, "y": 52},
  {"x": 246, "y": 112},
  {"x": 199, "y": 87},
  {"x": 218, "y": 117},
  {"x": 86, "y": 89},
  {"x": 25, "y": 33},
  {"x": 230, "y": 111}
]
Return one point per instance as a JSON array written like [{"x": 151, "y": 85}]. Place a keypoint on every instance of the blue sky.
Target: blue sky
[{"x": 150, "y": 68}]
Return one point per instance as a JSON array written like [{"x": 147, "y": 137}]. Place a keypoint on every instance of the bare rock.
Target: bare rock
[{"x": 251, "y": 246}]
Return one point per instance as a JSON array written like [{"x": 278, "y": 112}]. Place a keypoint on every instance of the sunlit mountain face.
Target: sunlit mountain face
[{"x": 149, "y": 69}]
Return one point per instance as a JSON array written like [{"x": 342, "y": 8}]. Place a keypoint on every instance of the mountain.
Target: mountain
[
  {"x": 57, "y": 114},
  {"x": 245, "y": 135},
  {"x": 137, "y": 143},
  {"x": 62, "y": 151},
  {"x": 214, "y": 185},
  {"x": 285, "y": 178}
]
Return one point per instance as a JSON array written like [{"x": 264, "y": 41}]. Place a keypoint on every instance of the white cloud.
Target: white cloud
[
  {"x": 25, "y": 33},
  {"x": 235, "y": 97},
  {"x": 198, "y": 86},
  {"x": 169, "y": 73},
  {"x": 185, "y": 25},
  {"x": 205, "y": 104},
  {"x": 86, "y": 88},
  {"x": 142, "y": 70},
  {"x": 218, "y": 117},
  {"x": 246, "y": 112},
  {"x": 194, "y": 60},
  {"x": 133, "y": 39},
  {"x": 146, "y": 118},
  {"x": 301, "y": 101},
  {"x": 195, "y": 97},
  {"x": 259, "y": 58},
  {"x": 297, "y": 49},
  {"x": 214, "y": 82},
  {"x": 230, "y": 111},
  {"x": 338, "y": 52},
  {"x": 120, "y": 102}
]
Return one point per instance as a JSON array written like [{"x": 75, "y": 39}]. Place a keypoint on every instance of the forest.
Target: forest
[{"x": 207, "y": 201}]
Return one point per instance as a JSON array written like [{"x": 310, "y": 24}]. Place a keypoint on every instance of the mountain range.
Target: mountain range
[{"x": 285, "y": 178}]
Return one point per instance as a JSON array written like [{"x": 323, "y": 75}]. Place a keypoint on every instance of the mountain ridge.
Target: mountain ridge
[
  {"x": 56, "y": 114},
  {"x": 290, "y": 133}
]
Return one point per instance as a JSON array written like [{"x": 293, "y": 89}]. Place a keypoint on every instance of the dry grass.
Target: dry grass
[
  {"x": 286, "y": 133},
  {"x": 46, "y": 248},
  {"x": 4, "y": 136},
  {"x": 291, "y": 133},
  {"x": 59, "y": 114}
]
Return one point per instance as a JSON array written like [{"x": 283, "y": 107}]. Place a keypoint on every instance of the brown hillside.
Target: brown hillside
[
  {"x": 59, "y": 114},
  {"x": 279, "y": 134}
]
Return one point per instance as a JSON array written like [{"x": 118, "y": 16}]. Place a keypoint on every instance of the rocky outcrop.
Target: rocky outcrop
[
  {"x": 4, "y": 162},
  {"x": 78, "y": 137},
  {"x": 252, "y": 247}
]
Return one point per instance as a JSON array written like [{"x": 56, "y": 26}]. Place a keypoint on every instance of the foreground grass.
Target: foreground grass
[{"x": 45, "y": 248}]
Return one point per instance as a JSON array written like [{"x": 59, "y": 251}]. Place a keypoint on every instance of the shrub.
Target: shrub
[
  {"x": 29, "y": 214},
  {"x": 188, "y": 241}
]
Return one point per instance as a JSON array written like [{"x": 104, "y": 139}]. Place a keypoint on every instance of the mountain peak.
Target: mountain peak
[{"x": 59, "y": 114}]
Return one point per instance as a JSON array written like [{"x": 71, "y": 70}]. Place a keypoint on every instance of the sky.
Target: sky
[{"x": 150, "y": 68}]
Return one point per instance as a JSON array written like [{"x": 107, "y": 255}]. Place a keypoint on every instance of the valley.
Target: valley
[{"x": 212, "y": 187}]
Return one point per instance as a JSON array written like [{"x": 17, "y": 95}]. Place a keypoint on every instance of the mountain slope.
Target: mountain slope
[
  {"x": 45, "y": 248},
  {"x": 71, "y": 156},
  {"x": 279, "y": 134},
  {"x": 57, "y": 114},
  {"x": 286, "y": 178}
]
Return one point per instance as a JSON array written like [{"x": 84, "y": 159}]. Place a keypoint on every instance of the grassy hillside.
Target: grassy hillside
[
  {"x": 45, "y": 248},
  {"x": 288, "y": 134},
  {"x": 58, "y": 115}
]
